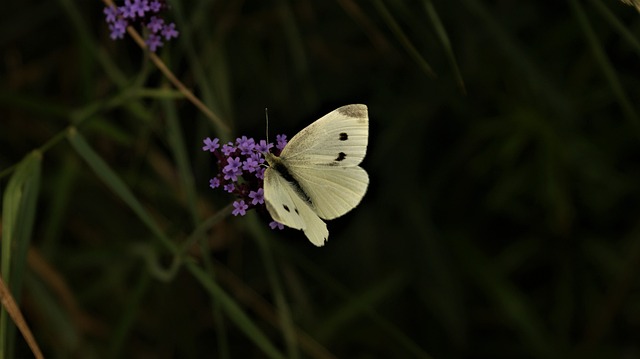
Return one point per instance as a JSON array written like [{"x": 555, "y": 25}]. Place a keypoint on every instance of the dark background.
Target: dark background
[{"x": 501, "y": 219}]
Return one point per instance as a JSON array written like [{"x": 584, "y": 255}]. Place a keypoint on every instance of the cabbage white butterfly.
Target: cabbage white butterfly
[{"x": 317, "y": 175}]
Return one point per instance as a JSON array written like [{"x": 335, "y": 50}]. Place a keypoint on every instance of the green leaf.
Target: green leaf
[{"x": 18, "y": 213}]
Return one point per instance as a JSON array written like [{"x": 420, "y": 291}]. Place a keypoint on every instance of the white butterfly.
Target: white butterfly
[{"x": 317, "y": 174}]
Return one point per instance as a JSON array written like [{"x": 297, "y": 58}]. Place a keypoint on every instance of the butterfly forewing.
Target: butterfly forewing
[{"x": 339, "y": 138}]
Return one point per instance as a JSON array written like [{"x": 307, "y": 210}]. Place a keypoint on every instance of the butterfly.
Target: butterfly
[{"x": 317, "y": 175}]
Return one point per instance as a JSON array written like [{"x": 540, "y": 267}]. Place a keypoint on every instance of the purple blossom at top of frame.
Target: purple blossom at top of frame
[
  {"x": 141, "y": 14},
  {"x": 118, "y": 28},
  {"x": 110, "y": 13},
  {"x": 153, "y": 42},
  {"x": 155, "y": 5},
  {"x": 155, "y": 24},
  {"x": 140, "y": 7},
  {"x": 126, "y": 10},
  {"x": 170, "y": 31}
]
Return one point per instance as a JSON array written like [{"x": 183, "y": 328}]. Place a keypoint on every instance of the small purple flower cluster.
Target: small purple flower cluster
[
  {"x": 146, "y": 14},
  {"x": 241, "y": 170}
]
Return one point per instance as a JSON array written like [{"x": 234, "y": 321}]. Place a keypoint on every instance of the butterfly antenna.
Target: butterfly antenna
[{"x": 266, "y": 115}]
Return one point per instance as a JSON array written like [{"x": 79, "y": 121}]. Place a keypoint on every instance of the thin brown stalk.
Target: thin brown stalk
[
  {"x": 173, "y": 79},
  {"x": 14, "y": 312}
]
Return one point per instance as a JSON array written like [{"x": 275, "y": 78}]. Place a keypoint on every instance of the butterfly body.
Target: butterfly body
[{"x": 317, "y": 175}]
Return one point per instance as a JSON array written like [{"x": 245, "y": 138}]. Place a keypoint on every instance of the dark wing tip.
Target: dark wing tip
[{"x": 357, "y": 111}]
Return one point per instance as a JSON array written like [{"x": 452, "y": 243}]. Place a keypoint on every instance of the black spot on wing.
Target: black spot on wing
[
  {"x": 344, "y": 136},
  {"x": 298, "y": 213},
  {"x": 341, "y": 156},
  {"x": 286, "y": 208}
]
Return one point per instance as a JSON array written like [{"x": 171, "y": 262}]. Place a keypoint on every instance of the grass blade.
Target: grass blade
[
  {"x": 18, "y": 212},
  {"x": 403, "y": 38},
  {"x": 446, "y": 43},
  {"x": 606, "y": 66}
]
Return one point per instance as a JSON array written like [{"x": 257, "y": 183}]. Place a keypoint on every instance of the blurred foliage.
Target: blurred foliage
[{"x": 501, "y": 220}]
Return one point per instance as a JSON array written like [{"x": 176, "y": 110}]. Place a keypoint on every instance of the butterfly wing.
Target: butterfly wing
[
  {"x": 344, "y": 130},
  {"x": 332, "y": 191},
  {"x": 285, "y": 205},
  {"x": 323, "y": 158}
]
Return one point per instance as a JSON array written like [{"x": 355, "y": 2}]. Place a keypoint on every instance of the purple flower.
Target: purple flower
[
  {"x": 260, "y": 173},
  {"x": 170, "y": 31},
  {"x": 257, "y": 196},
  {"x": 282, "y": 141},
  {"x": 127, "y": 10},
  {"x": 241, "y": 140},
  {"x": 155, "y": 5},
  {"x": 231, "y": 174},
  {"x": 275, "y": 225},
  {"x": 153, "y": 42},
  {"x": 137, "y": 13},
  {"x": 234, "y": 163},
  {"x": 155, "y": 24},
  {"x": 236, "y": 160},
  {"x": 257, "y": 156},
  {"x": 228, "y": 149},
  {"x": 139, "y": 7},
  {"x": 240, "y": 208},
  {"x": 250, "y": 165},
  {"x": 210, "y": 145},
  {"x": 246, "y": 145},
  {"x": 263, "y": 146},
  {"x": 118, "y": 28},
  {"x": 232, "y": 169},
  {"x": 111, "y": 12}
]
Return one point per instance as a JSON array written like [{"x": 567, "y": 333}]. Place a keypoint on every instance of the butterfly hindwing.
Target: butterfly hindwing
[
  {"x": 332, "y": 191},
  {"x": 285, "y": 205}
]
